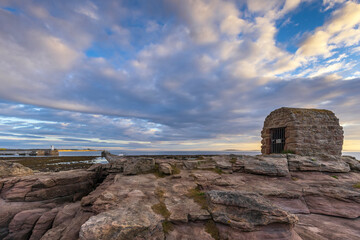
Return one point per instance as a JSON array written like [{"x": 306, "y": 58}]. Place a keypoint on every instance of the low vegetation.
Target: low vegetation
[
  {"x": 336, "y": 177},
  {"x": 175, "y": 169},
  {"x": 167, "y": 226},
  {"x": 198, "y": 196},
  {"x": 217, "y": 170},
  {"x": 161, "y": 209},
  {"x": 233, "y": 160},
  {"x": 357, "y": 185},
  {"x": 210, "y": 227}
]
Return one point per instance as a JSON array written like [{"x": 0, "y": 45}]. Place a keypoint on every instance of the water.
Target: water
[
  {"x": 134, "y": 153},
  {"x": 353, "y": 154}
]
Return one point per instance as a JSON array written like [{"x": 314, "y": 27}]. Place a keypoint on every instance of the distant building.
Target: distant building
[
  {"x": 52, "y": 148},
  {"x": 302, "y": 131}
]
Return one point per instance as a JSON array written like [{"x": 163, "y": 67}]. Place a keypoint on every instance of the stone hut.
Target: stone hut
[{"x": 308, "y": 132}]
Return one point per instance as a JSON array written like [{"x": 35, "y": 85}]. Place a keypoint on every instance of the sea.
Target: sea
[{"x": 136, "y": 153}]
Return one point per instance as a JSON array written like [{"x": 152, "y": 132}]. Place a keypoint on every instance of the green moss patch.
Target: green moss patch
[
  {"x": 357, "y": 185},
  {"x": 175, "y": 169},
  {"x": 210, "y": 227},
  {"x": 336, "y": 177},
  {"x": 217, "y": 170},
  {"x": 161, "y": 209},
  {"x": 167, "y": 226},
  {"x": 198, "y": 196}
]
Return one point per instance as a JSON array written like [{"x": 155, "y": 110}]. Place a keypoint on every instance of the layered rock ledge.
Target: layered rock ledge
[{"x": 187, "y": 197}]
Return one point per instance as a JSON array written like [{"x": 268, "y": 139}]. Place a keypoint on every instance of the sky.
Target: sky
[{"x": 171, "y": 74}]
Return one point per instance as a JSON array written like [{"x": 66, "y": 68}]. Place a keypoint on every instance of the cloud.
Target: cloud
[
  {"x": 166, "y": 73},
  {"x": 341, "y": 28}
]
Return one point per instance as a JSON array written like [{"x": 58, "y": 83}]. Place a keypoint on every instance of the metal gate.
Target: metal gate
[{"x": 277, "y": 140}]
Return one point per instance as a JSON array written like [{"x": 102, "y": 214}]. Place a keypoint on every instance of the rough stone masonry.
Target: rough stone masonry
[{"x": 309, "y": 132}]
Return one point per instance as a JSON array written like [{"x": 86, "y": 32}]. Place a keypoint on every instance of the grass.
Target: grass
[
  {"x": 233, "y": 160},
  {"x": 357, "y": 185},
  {"x": 167, "y": 226},
  {"x": 336, "y": 177},
  {"x": 313, "y": 159},
  {"x": 294, "y": 178},
  {"x": 161, "y": 209},
  {"x": 210, "y": 227},
  {"x": 217, "y": 170},
  {"x": 198, "y": 196},
  {"x": 175, "y": 169}
]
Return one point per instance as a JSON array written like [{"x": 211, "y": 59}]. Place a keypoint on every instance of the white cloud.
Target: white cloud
[{"x": 340, "y": 29}]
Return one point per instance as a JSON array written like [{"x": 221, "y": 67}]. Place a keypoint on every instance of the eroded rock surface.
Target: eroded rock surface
[
  {"x": 209, "y": 197},
  {"x": 8, "y": 169}
]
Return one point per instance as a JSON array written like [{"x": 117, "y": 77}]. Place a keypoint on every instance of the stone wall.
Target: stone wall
[{"x": 308, "y": 131}]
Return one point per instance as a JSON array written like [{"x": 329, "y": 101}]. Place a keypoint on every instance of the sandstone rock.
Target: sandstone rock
[
  {"x": 165, "y": 168},
  {"x": 273, "y": 231},
  {"x": 266, "y": 165},
  {"x": 307, "y": 163},
  {"x": 67, "y": 223},
  {"x": 189, "y": 231},
  {"x": 183, "y": 209},
  {"x": 66, "y": 185},
  {"x": 9, "y": 169},
  {"x": 245, "y": 211},
  {"x": 122, "y": 224},
  {"x": 353, "y": 162},
  {"x": 43, "y": 224},
  {"x": 333, "y": 201},
  {"x": 22, "y": 224},
  {"x": 133, "y": 166},
  {"x": 314, "y": 226}
]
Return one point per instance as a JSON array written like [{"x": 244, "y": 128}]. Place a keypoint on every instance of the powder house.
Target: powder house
[{"x": 302, "y": 131}]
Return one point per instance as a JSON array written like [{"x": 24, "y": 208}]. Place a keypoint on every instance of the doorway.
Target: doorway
[{"x": 277, "y": 140}]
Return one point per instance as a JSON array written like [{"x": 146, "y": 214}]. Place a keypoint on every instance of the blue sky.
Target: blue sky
[{"x": 172, "y": 75}]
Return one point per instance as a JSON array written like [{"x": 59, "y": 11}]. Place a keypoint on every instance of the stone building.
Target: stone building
[{"x": 302, "y": 131}]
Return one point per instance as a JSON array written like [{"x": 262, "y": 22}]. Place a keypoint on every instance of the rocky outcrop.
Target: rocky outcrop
[
  {"x": 353, "y": 163},
  {"x": 8, "y": 169},
  {"x": 245, "y": 210},
  {"x": 318, "y": 163},
  {"x": 179, "y": 197}
]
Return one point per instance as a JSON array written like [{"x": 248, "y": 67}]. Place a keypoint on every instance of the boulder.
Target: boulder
[
  {"x": 165, "y": 168},
  {"x": 245, "y": 211},
  {"x": 123, "y": 224},
  {"x": 9, "y": 169}
]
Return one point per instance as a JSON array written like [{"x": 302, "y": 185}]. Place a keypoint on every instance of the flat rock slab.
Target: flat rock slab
[
  {"x": 123, "y": 224},
  {"x": 308, "y": 163},
  {"x": 266, "y": 165},
  {"x": 315, "y": 226},
  {"x": 245, "y": 210}
]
